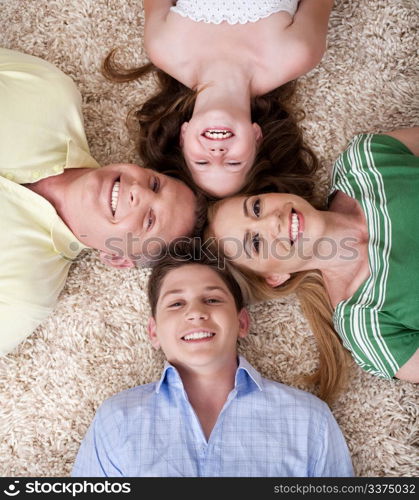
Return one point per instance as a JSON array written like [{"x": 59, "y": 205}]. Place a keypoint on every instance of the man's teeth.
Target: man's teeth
[
  {"x": 115, "y": 196},
  {"x": 217, "y": 134},
  {"x": 294, "y": 226},
  {"x": 197, "y": 335}
]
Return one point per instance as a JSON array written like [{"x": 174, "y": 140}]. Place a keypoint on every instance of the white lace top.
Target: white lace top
[{"x": 232, "y": 11}]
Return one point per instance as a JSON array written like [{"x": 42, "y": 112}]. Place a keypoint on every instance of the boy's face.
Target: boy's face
[
  {"x": 196, "y": 322},
  {"x": 127, "y": 211}
]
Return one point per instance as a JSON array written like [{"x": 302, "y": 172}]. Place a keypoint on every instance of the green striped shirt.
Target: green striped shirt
[{"x": 379, "y": 324}]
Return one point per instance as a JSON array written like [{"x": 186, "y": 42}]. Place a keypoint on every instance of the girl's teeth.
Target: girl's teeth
[
  {"x": 197, "y": 335},
  {"x": 115, "y": 196},
  {"x": 217, "y": 134}
]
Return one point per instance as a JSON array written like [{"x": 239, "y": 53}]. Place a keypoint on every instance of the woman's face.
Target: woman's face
[
  {"x": 219, "y": 152},
  {"x": 268, "y": 233}
]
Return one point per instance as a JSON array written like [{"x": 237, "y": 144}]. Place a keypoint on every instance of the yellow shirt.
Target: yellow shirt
[{"x": 41, "y": 134}]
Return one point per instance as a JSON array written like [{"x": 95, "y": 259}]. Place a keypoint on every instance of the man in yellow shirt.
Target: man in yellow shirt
[{"x": 55, "y": 200}]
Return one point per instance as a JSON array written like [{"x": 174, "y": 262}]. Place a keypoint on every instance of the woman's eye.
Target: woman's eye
[
  {"x": 256, "y": 243},
  {"x": 256, "y": 207}
]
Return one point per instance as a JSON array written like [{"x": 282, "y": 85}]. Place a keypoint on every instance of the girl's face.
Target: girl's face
[
  {"x": 219, "y": 151},
  {"x": 269, "y": 233}
]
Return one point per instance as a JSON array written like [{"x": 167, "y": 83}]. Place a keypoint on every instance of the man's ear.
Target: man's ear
[
  {"x": 258, "y": 133},
  {"x": 115, "y": 260},
  {"x": 183, "y": 128},
  {"x": 244, "y": 323},
  {"x": 275, "y": 280},
  {"x": 152, "y": 334}
]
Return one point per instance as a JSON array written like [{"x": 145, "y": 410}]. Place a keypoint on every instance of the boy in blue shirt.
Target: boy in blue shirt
[{"x": 211, "y": 413}]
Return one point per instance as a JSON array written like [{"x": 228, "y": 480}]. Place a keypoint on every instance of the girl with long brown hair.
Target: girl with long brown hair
[{"x": 221, "y": 118}]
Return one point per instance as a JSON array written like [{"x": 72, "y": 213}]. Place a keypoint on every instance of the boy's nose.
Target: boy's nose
[{"x": 196, "y": 314}]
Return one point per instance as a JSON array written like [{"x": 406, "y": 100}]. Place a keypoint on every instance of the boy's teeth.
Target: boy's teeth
[
  {"x": 197, "y": 335},
  {"x": 115, "y": 196},
  {"x": 294, "y": 226}
]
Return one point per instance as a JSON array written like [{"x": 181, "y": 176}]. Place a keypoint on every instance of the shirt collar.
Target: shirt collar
[{"x": 245, "y": 375}]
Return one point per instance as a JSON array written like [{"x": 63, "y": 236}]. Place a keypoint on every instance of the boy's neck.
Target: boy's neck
[{"x": 208, "y": 389}]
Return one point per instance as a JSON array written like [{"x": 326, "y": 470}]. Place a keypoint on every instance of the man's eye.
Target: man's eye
[
  {"x": 150, "y": 219},
  {"x": 155, "y": 184},
  {"x": 256, "y": 207},
  {"x": 256, "y": 243}
]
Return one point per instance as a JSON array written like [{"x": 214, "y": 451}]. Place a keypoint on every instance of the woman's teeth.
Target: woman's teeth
[
  {"x": 115, "y": 196},
  {"x": 295, "y": 224},
  {"x": 217, "y": 134},
  {"x": 198, "y": 335}
]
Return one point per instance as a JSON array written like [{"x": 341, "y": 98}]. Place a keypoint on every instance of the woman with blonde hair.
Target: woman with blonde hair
[
  {"x": 354, "y": 266},
  {"x": 221, "y": 118}
]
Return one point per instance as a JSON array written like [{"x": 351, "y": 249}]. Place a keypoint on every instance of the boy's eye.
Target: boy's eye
[
  {"x": 213, "y": 301},
  {"x": 175, "y": 304},
  {"x": 256, "y": 242},
  {"x": 256, "y": 207}
]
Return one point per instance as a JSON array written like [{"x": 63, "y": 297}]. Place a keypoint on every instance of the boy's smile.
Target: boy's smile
[{"x": 196, "y": 321}]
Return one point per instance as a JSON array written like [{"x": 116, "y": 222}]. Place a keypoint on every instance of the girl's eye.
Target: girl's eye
[
  {"x": 201, "y": 163},
  {"x": 150, "y": 221},
  {"x": 233, "y": 163},
  {"x": 256, "y": 207},
  {"x": 256, "y": 242}
]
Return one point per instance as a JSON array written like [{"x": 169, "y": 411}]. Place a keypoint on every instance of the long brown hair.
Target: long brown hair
[
  {"x": 284, "y": 163},
  {"x": 332, "y": 373}
]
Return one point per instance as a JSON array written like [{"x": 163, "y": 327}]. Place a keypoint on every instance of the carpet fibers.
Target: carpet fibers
[{"x": 95, "y": 343}]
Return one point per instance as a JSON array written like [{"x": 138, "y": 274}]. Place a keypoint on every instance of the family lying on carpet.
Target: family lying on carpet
[{"x": 216, "y": 128}]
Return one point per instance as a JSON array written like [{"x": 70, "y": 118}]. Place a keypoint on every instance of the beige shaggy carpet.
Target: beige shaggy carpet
[{"x": 95, "y": 343}]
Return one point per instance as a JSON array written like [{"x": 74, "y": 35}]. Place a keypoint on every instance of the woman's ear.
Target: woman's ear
[
  {"x": 115, "y": 260},
  {"x": 152, "y": 334},
  {"x": 275, "y": 279},
  {"x": 244, "y": 323},
  {"x": 182, "y": 133}
]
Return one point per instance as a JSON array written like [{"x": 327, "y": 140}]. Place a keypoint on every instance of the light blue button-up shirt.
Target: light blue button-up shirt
[{"x": 265, "y": 429}]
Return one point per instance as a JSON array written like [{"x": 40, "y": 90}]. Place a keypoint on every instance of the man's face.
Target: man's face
[
  {"x": 196, "y": 321},
  {"x": 128, "y": 211}
]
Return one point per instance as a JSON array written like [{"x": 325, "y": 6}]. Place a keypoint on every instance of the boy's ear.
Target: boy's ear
[
  {"x": 115, "y": 260},
  {"x": 244, "y": 323},
  {"x": 275, "y": 279},
  {"x": 151, "y": 330}
]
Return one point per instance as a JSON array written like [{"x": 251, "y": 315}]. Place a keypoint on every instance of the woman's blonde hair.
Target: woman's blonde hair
[{"x": 331, "y": 375}]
